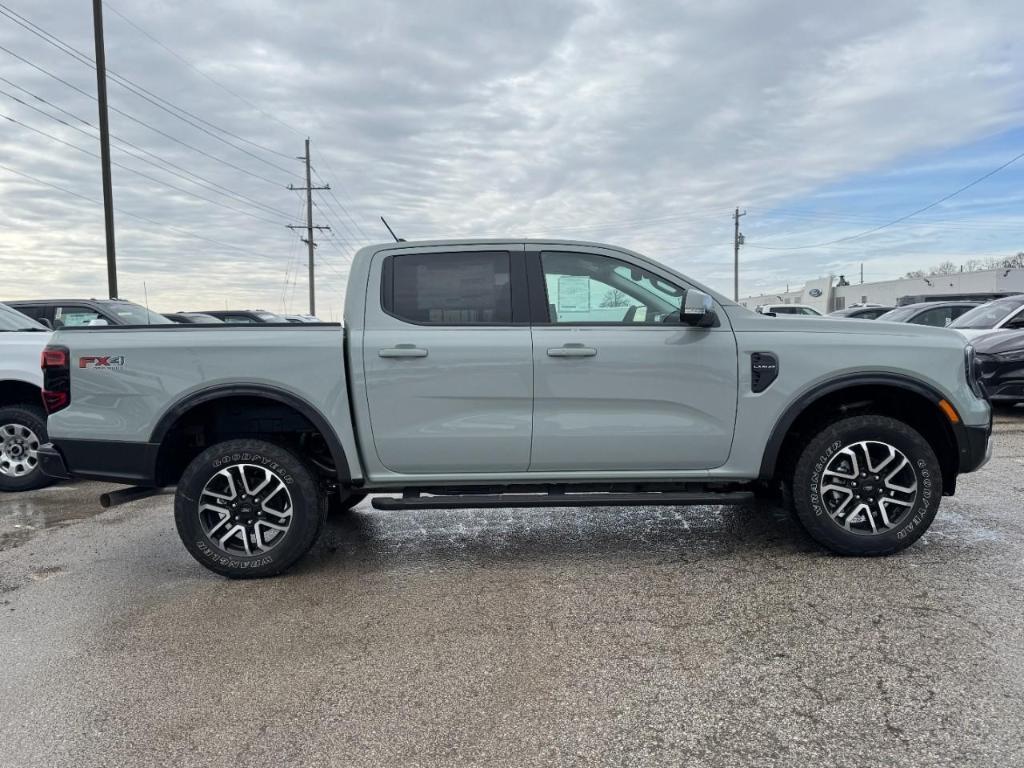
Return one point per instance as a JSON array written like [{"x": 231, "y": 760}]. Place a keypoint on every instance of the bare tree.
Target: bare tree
[{"x": 615, "y": 298}]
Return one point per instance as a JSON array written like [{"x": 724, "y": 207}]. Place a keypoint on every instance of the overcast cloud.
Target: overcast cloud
[{"x": 640, "y": 123}]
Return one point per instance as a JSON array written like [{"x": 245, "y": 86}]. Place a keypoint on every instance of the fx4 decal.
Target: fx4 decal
[{"x": 106, "y": 362}]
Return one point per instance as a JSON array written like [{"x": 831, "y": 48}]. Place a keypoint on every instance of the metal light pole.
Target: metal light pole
[{"x": 108, "y": 192}]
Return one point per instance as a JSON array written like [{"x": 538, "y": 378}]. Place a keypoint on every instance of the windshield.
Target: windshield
[
  {"x": 900, "y": 314},
  {"x": 12, "y": 320},
  {"x": 133, "y": 314},
  {"x": 987, "y": 315},
  {"x": 270, "y": 317}
]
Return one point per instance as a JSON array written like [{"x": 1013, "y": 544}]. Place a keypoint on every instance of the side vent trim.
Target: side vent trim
[{"x": 764, "y": 369}]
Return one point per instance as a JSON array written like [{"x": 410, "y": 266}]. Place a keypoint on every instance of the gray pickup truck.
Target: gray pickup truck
[{"x": 494, "y": 373}]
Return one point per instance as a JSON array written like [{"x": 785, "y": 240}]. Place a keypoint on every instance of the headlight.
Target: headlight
[{"x": 972, "y": 372}]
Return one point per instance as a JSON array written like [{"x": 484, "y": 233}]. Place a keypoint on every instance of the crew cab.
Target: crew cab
[
  {"x": 494, "y": 373},
  {"x": 22, "y": 420}
]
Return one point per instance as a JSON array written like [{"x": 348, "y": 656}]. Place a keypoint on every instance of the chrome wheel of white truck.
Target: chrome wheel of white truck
[
  {"x": 22, "y": 431},
  {"x": 248, "y": 508}
]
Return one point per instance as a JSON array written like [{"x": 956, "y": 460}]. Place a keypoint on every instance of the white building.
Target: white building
[{"x": 824, "y": 295}]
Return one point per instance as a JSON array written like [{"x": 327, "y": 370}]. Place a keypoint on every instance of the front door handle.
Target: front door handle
[
  {"x": 403, "y": 350},
  {"x": 572, "y": 350}
]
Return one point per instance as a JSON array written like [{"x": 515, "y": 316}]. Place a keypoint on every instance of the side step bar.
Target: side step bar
[{"x": 493, "y": 501}]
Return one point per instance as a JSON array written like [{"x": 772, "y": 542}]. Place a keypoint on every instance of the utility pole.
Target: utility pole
[
  {"x": 737, "y": 241},
  {"x": 308, "y": 239},
  {"x": 108, "y": 190},
  {"x": 862, "y": 273}
]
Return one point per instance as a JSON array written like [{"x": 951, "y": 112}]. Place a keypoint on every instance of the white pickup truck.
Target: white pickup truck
[
  {"x": 487, "y": 373},
  {"x": 22, "y": 420}
]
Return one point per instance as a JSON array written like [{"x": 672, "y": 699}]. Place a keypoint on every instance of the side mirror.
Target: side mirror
[
  {"x": 698, "y": 310},
  {"x": 46, "y": 322}
]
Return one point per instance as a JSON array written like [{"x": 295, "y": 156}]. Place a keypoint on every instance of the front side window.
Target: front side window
[
  {"x": 471, "y": 288},
  {"x": 587, "y": 288},
  {"x": 134, "y": 314},
  {"x": 239, "y": 320}
]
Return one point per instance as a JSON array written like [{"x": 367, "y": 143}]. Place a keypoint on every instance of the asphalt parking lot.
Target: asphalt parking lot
[{"x": 700, "y": 636}]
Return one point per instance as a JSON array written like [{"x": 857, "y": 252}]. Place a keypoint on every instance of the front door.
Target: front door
[
  {"x": 619, "y": 384},
  {"x": 448, "y": 360}
]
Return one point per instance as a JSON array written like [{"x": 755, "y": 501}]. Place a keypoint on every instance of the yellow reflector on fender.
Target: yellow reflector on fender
[{"x": 950, "y": 411}]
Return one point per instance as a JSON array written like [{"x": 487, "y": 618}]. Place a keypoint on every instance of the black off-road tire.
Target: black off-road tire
[
  {"x": 308, "y": 509},
  {"x": 812, "y": 511},
  {"x": 32, "y": 418},
  {"x": 342, "y": 500}
]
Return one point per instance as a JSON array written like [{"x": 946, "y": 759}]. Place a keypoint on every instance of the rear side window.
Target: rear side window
[
  {"x": 471, "y": 288},
  {"x": 71, "y": 317},
  {"x": 938, "y": 317}
]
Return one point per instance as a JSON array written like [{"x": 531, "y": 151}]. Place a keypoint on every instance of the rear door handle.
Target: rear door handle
[
  {"x": 403, "y": 350},
  {"x": 572, "y": 350}
]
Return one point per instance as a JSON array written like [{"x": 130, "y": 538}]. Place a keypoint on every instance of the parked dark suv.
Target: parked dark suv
[{"x": 58, "y": 313}]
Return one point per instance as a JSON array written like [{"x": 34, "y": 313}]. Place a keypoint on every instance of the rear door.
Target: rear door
[
  {"x": 74, "y": 315},
  {"x": 618, "y": 384},
  {"x": 448, "y": 360}
]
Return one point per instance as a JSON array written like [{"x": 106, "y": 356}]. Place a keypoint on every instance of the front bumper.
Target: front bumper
[{"x": 975, "y": 444}]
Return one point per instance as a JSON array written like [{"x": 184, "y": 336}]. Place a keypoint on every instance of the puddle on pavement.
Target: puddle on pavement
[{"x": 24, "y": 515}]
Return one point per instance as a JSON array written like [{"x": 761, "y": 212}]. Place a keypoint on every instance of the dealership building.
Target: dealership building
[{"x": 830, "y": 293}]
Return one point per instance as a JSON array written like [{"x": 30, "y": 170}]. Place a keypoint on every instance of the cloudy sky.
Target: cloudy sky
[{"x": 637, "y": 122}]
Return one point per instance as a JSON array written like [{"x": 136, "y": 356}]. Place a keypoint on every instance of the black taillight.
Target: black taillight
[{"x": 56, "y": 378}]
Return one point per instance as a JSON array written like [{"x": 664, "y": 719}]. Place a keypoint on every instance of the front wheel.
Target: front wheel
[
  {"x": 248, "y": 508},
  {"x": 867, "y": 485}
]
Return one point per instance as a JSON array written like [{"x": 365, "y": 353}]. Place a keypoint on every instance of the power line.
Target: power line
[
  {"x": 180, "y": 172},
  {"x": 137, "y": 172},
  {"x": 879, "y": 228},
  {"x": 143, "y": 93},
  {"x": 162, "y": 225},
  {"x": 200, "y": 72},
  {"x": 144, "y": 124},
  {"x": 355, "y": 223}
]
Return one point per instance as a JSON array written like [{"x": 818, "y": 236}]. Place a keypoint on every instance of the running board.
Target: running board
[{"x": 494, "y": 501}]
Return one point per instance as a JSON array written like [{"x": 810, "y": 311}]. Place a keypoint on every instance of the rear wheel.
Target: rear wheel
[
  {"x": 867, "y": 485},
  {"x": 22, "y": 431},
  {"x": 248, "y": 508}
]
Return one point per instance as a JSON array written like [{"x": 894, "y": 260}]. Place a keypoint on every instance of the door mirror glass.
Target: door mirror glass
[{"x": 698, "y": 309}]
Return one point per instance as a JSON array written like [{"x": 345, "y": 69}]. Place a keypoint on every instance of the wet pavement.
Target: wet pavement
[{"x": 701, "y": 636}]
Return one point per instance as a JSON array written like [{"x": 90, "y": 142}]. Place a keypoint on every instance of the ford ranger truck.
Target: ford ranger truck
[{"x": 511, "y": 373}]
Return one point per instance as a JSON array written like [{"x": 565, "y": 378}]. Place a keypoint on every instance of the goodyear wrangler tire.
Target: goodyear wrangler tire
[
  {"x": 867, "y": 485},
  {"x": 248, "y": 508}
]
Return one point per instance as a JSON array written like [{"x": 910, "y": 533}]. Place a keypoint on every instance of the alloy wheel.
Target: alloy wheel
[
  {"x": 869, "y": 487},
  {"x": 245, "y": 509},
  {"x": 19, "y": 450}
]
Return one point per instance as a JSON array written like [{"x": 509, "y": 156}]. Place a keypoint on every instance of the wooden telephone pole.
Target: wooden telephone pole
[
  {"x": 737, "y": 241},
  {"x": 108, "y": 192},
  {"x": 308, "y": 239}
]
